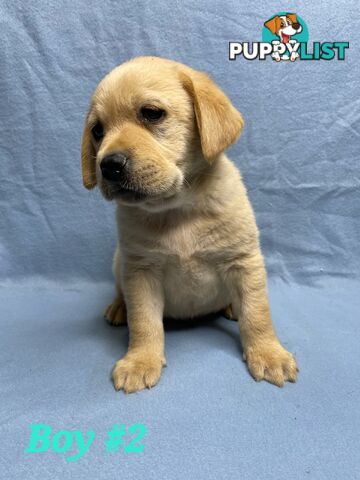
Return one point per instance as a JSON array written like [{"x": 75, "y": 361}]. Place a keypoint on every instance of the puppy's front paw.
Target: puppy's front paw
[
  {"x": 271, "y": 362},
  {"x": 137, "y": 371},
  {"x": 115, "y": 313}
]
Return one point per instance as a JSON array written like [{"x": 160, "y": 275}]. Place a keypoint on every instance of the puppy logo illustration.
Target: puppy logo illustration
[
  {"x": 285, "y": 36},
  {"x": 284, "y": 27}
]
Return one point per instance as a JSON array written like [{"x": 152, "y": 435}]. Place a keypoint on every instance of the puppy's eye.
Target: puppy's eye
[
  {"x": 151, "y": 114},
  {"x": 97, "y": 131}
]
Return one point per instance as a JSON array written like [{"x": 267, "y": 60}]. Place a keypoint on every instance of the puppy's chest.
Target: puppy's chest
[
  {"x": 188, "y": 258},
  {"x": 190, "y": 262},
  {"x": 191, "y": 275},
  {"x": 184, "y": 245}
]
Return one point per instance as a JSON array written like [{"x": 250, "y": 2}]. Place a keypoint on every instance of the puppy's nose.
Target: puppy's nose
[
  {"x": 296, "y": 26},
  {"x": 112, "y": 166}
]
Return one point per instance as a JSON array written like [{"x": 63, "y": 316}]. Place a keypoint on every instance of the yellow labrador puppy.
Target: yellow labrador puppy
[{"x": 154, "y": 141}]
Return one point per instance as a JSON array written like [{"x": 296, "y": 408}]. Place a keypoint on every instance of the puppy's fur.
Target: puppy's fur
[{"x": 188, "y": 245}]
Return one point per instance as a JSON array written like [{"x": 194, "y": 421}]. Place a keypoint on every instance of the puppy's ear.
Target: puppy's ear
[
  {"x": 88, "y": 157},
  {"x": 273, "y": 24},
  {"x": 292, "y": 17},
  {"x": 218, "y": 121}
]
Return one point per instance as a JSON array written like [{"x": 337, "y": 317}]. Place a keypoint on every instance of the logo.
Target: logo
[{"x": 285, "y": 37}]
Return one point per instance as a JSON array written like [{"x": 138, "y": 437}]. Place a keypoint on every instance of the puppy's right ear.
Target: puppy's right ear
[
  {"x": 273, "y": 25},
  {"x": 88, "y": 158}
]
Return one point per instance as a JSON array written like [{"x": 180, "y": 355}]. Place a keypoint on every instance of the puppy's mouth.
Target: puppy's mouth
[
  {"x": 284, "y": 37},
  {"x": 129, "y": 194}
]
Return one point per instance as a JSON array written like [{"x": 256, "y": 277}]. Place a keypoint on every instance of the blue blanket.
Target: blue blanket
[{"x": 299, "y": 156}]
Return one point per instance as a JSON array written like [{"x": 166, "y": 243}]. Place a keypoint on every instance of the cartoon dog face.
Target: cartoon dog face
[{"x": 284, "y": 26}]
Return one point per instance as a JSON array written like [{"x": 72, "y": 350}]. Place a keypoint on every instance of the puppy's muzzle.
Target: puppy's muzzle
[
  {"x": 117, "y": 183},
  {"x": 112, "y": 167}
]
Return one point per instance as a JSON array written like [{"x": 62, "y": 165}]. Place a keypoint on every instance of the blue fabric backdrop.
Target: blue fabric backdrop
[{"x": 299, "y": 155}]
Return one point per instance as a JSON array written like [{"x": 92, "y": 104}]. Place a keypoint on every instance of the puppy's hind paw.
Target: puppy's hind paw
[
  {"x": 228, "y": 313},
  {"x": 115, "y": 313}
]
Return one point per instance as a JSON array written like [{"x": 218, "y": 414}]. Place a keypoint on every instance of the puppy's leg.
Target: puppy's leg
[
  {"x": 141, "y": 367},
  {"x": 265, "y": 356}
]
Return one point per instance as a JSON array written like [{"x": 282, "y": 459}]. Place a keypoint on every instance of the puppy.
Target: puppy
[
  {"x": 154, "y": 142},
  {"x": 284, "y": 26}
]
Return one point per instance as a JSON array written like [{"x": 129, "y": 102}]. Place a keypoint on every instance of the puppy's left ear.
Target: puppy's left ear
[
  {"x": 218, "y": 121},
  {"x": 88, "y": 158}
]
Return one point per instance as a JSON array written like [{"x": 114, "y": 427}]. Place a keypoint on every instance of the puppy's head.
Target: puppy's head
[
  {"x": 152, "y": 125},
  {"x": 284, "y": 26}
]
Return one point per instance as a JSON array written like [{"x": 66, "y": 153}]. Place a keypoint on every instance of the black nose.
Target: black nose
[
  {"x": 112, "y": 166},
  {"x": 296, "y": 26}
]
